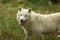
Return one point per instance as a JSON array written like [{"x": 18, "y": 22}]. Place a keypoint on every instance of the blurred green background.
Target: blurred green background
[{"x": 9, "y": 27}]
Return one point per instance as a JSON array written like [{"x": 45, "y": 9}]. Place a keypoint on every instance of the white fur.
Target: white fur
[{"x": 39, "y": 23}]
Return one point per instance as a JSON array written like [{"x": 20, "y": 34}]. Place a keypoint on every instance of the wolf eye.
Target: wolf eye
[
  {"x": 21, "y": 15},
  {"x": 25, "y": 15}
]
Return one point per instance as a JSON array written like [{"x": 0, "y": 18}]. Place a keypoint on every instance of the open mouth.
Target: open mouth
[{"x": 22, "y": 22}]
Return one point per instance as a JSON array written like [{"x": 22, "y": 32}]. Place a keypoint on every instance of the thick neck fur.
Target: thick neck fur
[{"x": 28, "y": 24}]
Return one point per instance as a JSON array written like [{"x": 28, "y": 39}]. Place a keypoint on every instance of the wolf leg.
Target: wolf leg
[{"x": 28, "y": 36}]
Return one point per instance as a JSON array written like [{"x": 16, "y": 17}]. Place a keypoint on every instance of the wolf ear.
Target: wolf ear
[
  {"x": 29, "y": 10},
  {"x": 20, "y": 9}
]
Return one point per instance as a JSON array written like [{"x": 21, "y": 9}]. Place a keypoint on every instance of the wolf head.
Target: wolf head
[{"x": 23, "y": 15}]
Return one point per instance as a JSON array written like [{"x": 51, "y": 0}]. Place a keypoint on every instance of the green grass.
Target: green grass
[{"x": 9, "y": 27}]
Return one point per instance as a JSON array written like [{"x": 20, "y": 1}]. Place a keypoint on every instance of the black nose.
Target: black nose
[{"x": 21, "y": 20}]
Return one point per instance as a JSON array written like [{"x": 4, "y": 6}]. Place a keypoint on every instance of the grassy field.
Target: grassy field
[{"x": 9, "y": 27}]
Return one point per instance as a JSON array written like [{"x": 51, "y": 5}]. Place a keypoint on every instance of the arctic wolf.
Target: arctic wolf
[{"x": 33, "y": 23}]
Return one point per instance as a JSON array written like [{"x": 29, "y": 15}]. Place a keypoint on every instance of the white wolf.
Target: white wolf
[{"x": 34, "y": 23}]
